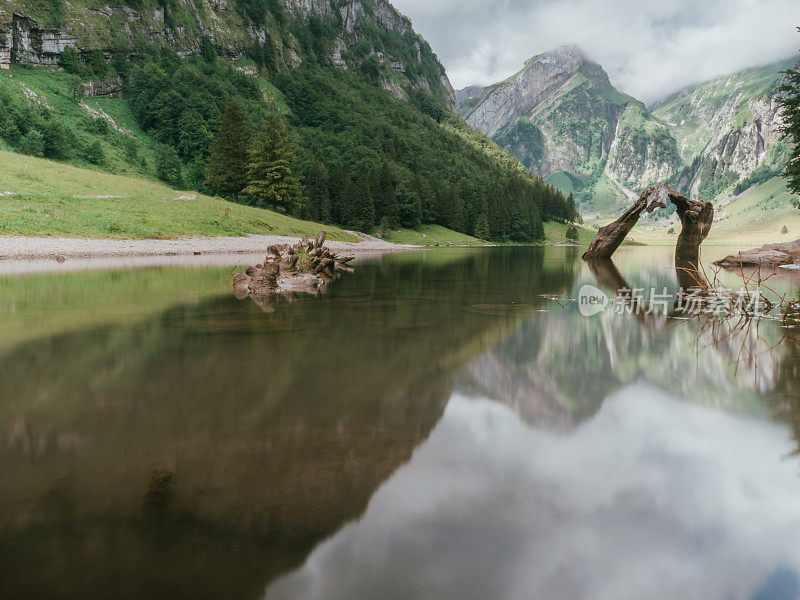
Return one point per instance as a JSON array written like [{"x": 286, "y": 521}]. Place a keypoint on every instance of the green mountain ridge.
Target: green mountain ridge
[
  {"x": 728, "y": 129},
  {"x": 568, "y": 123},
  {"x": 138, "y": 87}
]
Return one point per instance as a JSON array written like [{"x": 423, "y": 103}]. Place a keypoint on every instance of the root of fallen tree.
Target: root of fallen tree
[
  {"x": 307, "y": 267},
  {"x": 696, "y": 218}
]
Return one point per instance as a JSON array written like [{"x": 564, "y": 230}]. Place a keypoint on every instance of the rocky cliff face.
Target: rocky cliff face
[
  {"x": 728, "y": 128},
  {"x": 643, "y": 151},
  {"x": 23, "y": 41},
  {"x": 360, "y": 29},
  {"x": 504, "y": 103},
  {"x": 563, "y": 119}
]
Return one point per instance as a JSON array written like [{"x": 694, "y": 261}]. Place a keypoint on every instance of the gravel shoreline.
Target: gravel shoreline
[{"x": 20, "y": 247}]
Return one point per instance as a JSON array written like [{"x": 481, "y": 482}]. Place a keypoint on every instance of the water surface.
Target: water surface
[{"x": 434, "y": 427}]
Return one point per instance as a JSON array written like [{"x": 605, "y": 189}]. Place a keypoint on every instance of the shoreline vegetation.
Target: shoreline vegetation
[{"x": 50, "y": 209}]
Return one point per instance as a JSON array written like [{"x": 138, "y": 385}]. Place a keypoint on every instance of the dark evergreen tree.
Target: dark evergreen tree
[
  {"x": 386, "y": 197},
  {"x": 168, "y": 165},
  {"x": 270, "y": 180},
  {"x": 33, "y": 143},
  {"x": 409, "y": 207},
  {"x": 69, "y": 60},
  {"x": 572, "y": 233},
  {"x": 207, "y": 50},
  {"x": 448, "y": 208},
  {"x": 482, "y": 227},
  {"x": 318, "y": 203},
  {"x": 573, "y": 216},
  {"x": 362, "y": 216},
  {"x": 226, "y": 173},
  {"x": 790, "y": 101},
  {"x": 339, "y": 184}
]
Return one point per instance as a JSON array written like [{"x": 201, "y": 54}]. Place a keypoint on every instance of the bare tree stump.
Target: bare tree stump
[
  {"x": 282, "y": 273},
  {"x": 696, "y": 218}
]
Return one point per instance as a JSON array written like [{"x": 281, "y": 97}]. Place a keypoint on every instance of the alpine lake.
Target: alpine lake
[{"x": 442, "y": 424}]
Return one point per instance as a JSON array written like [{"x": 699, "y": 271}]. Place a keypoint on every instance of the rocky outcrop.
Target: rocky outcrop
[
  {"x": 23, "y": 41},
  {"x": 184, "y": 25},
  {"x": 641, "y": 155},
  {"x": 770, "y": 255},
  {"x": 562, "y": 114},
  {"x": 6, "y": 43},
  {"x": 505, "y": 102},
  {"x": 727, "y": 128},
  {"x": 467, "y": 93}
]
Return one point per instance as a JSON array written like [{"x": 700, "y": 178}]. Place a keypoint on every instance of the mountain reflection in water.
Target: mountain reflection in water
[{"x": 434, "y": 426}]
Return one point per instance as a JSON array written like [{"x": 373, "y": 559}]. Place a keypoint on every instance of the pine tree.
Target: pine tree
[
  {"x": 270, "y": 180},
  {"x": 448, "y": 207},
  {"x": 572, "y": 212},
  {"x": 482, "y": 227},
  {"x": 386, "y": 197},
  {"x": 572, "y": 233},
  {"x": 790, "y": 101},
  {"x": 426, "y": 198},
  {"x": 339, "y": 185},
  {"x": 363, "y": 206},
  {"x": 318, "y": 206},
  {"x": 226, "y": 172},
  {"x": 168, "y": 165},
  {"x": 409, "y": 207},
  {"x": 538, "y": 229}
]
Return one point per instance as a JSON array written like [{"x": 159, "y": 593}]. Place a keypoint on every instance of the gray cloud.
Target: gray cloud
[{"x": 649, "y": 49}]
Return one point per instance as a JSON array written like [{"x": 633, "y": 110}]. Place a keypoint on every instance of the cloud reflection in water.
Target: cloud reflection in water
[{"x": 653, "y": 497}]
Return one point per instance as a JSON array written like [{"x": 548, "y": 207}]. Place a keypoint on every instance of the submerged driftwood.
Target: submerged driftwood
[
  {"x": 696, "y": 218},
  {"x": 307, "y": 267}
]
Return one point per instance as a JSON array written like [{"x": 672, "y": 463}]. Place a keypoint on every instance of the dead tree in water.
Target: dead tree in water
[
  {"x": 696, "y": 218},
  {"x": 306, "y": 267}
]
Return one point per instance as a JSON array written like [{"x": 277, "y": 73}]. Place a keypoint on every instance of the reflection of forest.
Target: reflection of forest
[{"x": 202, "y": 452}]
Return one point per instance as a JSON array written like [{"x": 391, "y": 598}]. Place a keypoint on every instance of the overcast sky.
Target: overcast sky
[{"x": 649, "y": 48}]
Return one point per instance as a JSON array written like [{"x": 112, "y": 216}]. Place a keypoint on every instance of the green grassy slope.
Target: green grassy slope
[
  {"x": 47, "y": 198},
  {"x": 42, "y": 197},
  {"x": 108, "y": 122},
  {"x": 432, "y": 235}
]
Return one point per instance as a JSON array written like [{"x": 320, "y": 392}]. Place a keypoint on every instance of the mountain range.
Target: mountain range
[
  {"x": 563, "y": 118},
  {"x": 368, "y": 103}
]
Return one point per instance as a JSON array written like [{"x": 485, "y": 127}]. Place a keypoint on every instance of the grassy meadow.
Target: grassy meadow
[{"x": 44, "y": 198}]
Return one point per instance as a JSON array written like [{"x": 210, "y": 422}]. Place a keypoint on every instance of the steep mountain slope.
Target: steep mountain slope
[
  {"x": 366, "y": 103},
  {"x": 728, "y": 128},
  {"x": 563, "y": 119},
  {"x": 561, "y": 116},
  {"x": 347, "y": 34}
]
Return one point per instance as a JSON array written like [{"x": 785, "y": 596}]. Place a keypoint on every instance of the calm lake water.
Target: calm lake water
[{"x": 436, "y": 426}]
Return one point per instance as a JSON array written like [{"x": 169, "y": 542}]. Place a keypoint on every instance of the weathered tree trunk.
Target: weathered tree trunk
[{"x": 695, "y": 216}]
